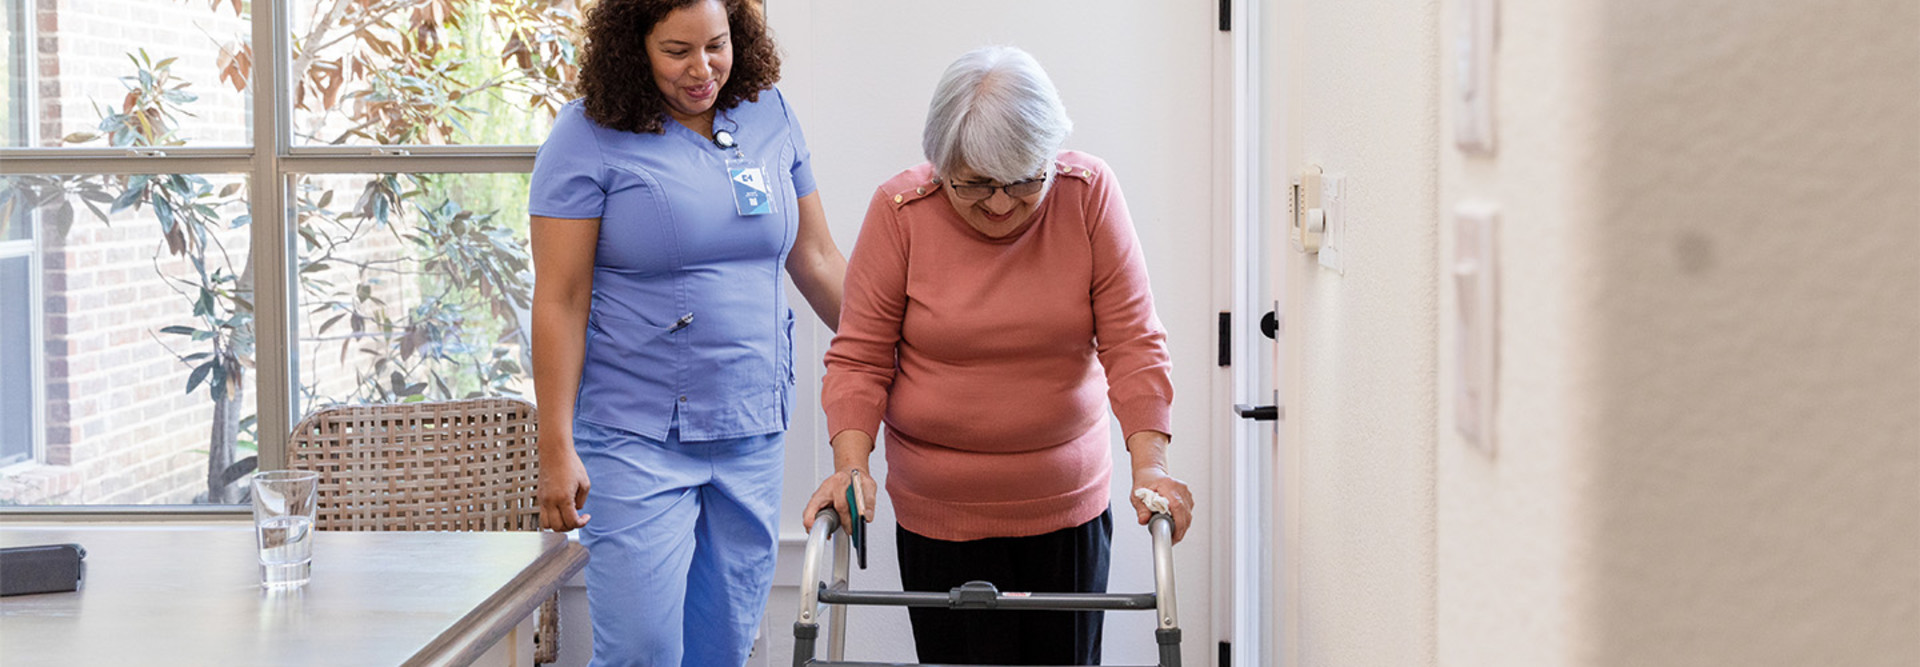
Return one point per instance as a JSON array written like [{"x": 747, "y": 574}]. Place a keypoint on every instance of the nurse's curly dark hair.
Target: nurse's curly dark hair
[{"x": 616, "y": 78}]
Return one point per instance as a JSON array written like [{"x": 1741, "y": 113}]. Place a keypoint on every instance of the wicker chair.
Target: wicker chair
[{"x": 452, "y": 465}]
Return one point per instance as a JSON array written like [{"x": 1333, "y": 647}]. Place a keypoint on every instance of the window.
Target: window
[
  {"x": 142, "y": 337},
  {"x": 434, "y": 307},
  {"x": 19, "y": 423},
  {"x": 170, "y": 59},
  {"x": 13, "y": 71},
  {"x": 201, "y": 241},
  {"x": 439, "y": 72}
]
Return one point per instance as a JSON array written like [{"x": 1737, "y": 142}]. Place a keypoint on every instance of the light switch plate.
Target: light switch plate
[
  {"x": 1308, "y": 221},
  {"x": 1475, "y": 40},
  {"x": 1333, "y": 201},
  {"x": 1476, "y": 333}
]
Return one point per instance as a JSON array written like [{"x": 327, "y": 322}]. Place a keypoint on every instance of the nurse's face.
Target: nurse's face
[
  {"x": 993, "y": 208},
  {"x": 691, "y": 51}
]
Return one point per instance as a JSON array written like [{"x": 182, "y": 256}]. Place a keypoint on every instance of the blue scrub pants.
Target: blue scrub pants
[{"x": 682, "y": 541}]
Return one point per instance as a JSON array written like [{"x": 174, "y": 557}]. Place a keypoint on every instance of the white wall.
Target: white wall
[
  {"x": 1515, "y": 550},
  {"x": 1360, "y": 427},
  {"x": 1141, "y": 81},
  {"x": 1709, "y": 388},
  {"x": 1753, "y": 419}
]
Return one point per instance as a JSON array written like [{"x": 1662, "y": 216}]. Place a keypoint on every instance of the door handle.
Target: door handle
[{"x": 1259, "y": 413}]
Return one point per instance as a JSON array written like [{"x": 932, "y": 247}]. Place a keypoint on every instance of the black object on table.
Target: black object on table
[{"x": 47, "y": 568}]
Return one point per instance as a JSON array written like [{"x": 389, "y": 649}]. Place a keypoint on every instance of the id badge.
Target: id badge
[{"x": 752, "y": 195}]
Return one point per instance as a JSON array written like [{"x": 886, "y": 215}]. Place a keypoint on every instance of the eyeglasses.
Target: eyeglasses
[{"x": 1016, "y": 189}]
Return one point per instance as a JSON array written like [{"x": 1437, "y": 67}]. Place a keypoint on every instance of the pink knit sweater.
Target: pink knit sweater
[{"x": 985, "y": 355}]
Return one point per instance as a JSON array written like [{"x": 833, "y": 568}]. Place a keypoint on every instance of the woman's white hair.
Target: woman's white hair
[{"x": 995, "y": 112}]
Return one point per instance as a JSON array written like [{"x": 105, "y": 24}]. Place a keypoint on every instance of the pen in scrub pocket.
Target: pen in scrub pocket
[{"x": 681, "y": 323}]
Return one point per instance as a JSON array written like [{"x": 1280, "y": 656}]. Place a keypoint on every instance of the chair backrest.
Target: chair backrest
[{"x": 451, "y": 465}]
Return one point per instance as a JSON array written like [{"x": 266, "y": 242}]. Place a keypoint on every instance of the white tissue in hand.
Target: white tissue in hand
[{"x": 1154, "y": 501}]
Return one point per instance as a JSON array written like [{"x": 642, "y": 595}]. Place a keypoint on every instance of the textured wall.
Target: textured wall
[
  {"x": 1709, "y": 410},
  {"x": 1515, "y": 548},
  {"x": 1710, "y": 382},
  {"x": 1363, "y": 408},
  {"x": 1756, "y": 323}
]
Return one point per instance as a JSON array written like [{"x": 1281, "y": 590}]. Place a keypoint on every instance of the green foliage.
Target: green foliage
[
  {"x": 469, "y": 274},
  {"x": 432, "y": 71},
  {"x": 411, "y": 71}
]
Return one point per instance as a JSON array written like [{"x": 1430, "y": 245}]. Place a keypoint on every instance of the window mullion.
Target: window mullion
[
  {"x": 506, "y": 150},
  {"x": 273, "y": 298},
  {"x": 16, "y": 164},
  {"x": 412, "y": 164}
]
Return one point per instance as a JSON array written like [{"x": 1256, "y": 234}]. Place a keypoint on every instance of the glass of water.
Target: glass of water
[{"x": 283, "y": 506}]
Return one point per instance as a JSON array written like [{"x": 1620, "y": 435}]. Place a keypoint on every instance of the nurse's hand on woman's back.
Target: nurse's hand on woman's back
[{"x": 563, "y": 490}]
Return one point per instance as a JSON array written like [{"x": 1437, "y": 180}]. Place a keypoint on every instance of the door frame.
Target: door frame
[{"x": 1252, "y": 546}]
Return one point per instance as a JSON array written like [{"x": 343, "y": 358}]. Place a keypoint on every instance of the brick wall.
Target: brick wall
[
  {"x": 119, "y": 427},
  {"x": 117, "y": 411},
  {"x": 83, "y": 47}
]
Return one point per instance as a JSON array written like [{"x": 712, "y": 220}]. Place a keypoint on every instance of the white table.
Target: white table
[{"x": 190, "y": 595}]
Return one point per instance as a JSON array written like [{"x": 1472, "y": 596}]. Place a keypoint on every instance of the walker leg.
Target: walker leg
[
  {"x": 806, "y": 629},
  {"x": 803, "y": 637},
  {"x": 842, "y": 570},
  {"x": 1169, "y": 646}
]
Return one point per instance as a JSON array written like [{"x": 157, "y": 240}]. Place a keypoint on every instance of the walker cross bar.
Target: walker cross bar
[
  {"x": 972, "y": 595},
  {"x": 828, "y": 663},
  {"x": 983, "y": 595}
]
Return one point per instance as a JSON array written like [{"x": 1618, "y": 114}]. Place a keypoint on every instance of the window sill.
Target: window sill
[
  {"x": 37, "y": 492},
  {"x": 39, "y": 484}
]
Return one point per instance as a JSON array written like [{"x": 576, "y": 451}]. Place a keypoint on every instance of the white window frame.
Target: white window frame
[
  {"x": 26, "y": 29},
  {"x": 271, "y": 163},
  {"x": 30, "y": 248}
]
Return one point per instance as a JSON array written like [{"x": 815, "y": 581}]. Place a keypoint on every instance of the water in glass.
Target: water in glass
[{"x": 283, "y": 513}]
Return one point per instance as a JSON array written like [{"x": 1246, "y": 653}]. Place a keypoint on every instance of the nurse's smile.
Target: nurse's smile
[{"x": 691, "y": 53}]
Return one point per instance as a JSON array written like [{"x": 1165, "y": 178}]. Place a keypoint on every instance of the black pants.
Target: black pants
[{"x": 1070, "y": 560}]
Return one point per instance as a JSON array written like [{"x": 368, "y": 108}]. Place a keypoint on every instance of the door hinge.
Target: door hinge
[
  {"x": 1226, "y": 15},
  {"x": 1226, "y": 654},
  {"x": 1225, "y": 354}
]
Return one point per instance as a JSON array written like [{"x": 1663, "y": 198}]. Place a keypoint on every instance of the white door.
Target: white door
[{"x": 1146, "y": 85}]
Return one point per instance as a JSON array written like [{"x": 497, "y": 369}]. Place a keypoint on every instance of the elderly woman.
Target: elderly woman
[{"x": 994, "y": 295}]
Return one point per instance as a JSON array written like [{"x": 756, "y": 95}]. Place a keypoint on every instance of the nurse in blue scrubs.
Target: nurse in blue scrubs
[{"x": 666, "y": 202}]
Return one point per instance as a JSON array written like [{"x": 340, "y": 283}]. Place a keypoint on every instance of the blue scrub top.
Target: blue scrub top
[{"x": 672, "y": 244}]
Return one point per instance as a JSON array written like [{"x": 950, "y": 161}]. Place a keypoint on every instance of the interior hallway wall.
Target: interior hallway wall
[
  {"x": 1708, "y": 428},
  {"x": 1515, "y": 548},
  {"x": 1755, "y": 326},
  {"x": 1358, "y": 465}
]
